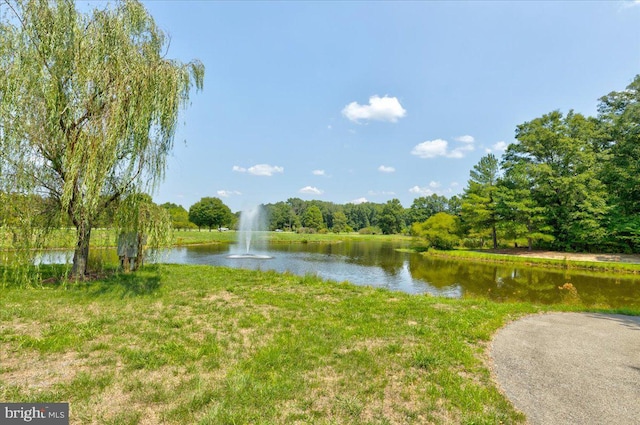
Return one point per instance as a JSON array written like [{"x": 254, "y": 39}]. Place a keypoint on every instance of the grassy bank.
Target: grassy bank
[
  {"x": 194, "y": 344},
  {"x": 105, "y": 238},
  {"x": 593, "y": 266},
  {"x": 204, "y": 237}
]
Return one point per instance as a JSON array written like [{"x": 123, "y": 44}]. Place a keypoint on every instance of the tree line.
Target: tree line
[
  {"x": 313, "y": 216},
  {"x": 569, "y": 183}
]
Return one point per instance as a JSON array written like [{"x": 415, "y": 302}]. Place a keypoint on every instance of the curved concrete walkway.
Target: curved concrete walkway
[{"x": 571, "y": 368}]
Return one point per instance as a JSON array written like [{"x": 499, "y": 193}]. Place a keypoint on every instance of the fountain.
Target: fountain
[{"x": 251, "y": 221}]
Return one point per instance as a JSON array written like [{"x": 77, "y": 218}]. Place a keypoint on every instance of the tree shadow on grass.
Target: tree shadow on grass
[{"x": 146, "y": 281}]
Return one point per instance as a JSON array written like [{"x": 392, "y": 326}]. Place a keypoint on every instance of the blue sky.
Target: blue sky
[{"x": 353, "y": 101}]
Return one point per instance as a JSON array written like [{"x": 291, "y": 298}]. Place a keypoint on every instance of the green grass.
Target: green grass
[
  {"x": 592, "y": 266},
  {"x": 105, "y": 238},
  {"x": 197, "y": 344},
  {"x": 205, "y": 237}
]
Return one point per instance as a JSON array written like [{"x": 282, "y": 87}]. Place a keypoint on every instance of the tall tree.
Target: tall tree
[
  {"x": 211, "y": 212},
  {"x": 340, "y": 222},
  {"x": 392, "y": 217},
  {"x": 424, "y": 207},
  {"x": 312, "y": 218},
  {"x": 361, "y": 215},
  {"x": 559, "y": 154},
  {"x": 520, "y": 213},
  {"x": 179, "y": 216},
  {"x": 479, "y": 201},
  {"x": 619, "y": 115},
  {"x": 88, "y": 106}
]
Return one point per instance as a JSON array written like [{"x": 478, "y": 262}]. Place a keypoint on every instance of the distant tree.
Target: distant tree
[
  {"x": 211, "y": 212},
  {"x": 361, "y": 215},
  {"x": 439, "y": 231},
  {"x": 297, "y": 205},
  {"x": 479, "y": 200},
  {"x": 179, "y": 216},
  {"x": 88, "y": 107},
  {"x": 312, "y": 218},
  {"x": 392, "y": 217},
  {"x": 340, "y": 222},
  {"x": 454, "y": 205},
  {"x": 426, "y": 206}
]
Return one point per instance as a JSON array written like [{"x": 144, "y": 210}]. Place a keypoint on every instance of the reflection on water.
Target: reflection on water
[{"x": 381, "y": 265}]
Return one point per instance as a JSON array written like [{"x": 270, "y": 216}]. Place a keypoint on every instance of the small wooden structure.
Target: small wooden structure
[{"x": 131, "y": 250}]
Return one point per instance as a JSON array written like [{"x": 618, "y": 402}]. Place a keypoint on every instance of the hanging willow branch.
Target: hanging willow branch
[{"x": 88, "y": 106}]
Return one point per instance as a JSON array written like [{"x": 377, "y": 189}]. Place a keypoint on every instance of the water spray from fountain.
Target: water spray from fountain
[{"x": 252, "y": 223}]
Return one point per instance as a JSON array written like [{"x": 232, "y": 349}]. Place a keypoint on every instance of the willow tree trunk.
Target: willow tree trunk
[{"x": 81, "y": 253}]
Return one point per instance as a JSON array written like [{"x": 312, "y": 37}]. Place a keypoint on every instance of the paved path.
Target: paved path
[{"x": 571, "y": 368}]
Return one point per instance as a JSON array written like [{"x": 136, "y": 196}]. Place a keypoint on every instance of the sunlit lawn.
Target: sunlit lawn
[{"x": 197, "y": 344}]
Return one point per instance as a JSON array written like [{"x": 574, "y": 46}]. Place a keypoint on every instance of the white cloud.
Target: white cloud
[
  {"x": 630, "y": 3},
  {"x": 430, "y": 148},
  {"x": 359, "y": 201},
  {"x": 260, "y": 169},
  {"x": 465, "y": 139},
  {"x": 422, "y": 191},
  {"x": 439, "y": 147},
  {"x": 310, "y": 190},
  {"x": 329, "y": 127},
  {"x": 460, "y": 152},
  {"x": 318, "y": 172},
  {"x": 433, "y": 188},
  {"x": 497, "y": 147},
  {"x": 228, "y": 193},
  {"x": 379, "y": 108},
  {"x": 385, "y": 169}
]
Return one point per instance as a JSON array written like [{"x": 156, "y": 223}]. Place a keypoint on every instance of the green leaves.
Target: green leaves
[
  {"x": 479, "y": 201},
  {"x": 558, "y": 157},
  {"x": 210, "y": 212},
  {"x": 88, "y": 104}
]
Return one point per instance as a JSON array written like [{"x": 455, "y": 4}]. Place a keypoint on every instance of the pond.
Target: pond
[{"x": 380, "y": 264}]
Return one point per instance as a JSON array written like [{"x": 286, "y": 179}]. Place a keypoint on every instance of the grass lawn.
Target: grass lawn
[
  {"x": 196, "y": 344},
  {"x": 100, "y": 238},
  {"x": 182, "y": 237}
]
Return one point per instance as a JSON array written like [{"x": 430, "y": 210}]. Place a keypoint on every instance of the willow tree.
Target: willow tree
[{"x": 89, "y": 106}]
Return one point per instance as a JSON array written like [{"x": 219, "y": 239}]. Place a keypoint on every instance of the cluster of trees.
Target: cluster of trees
[
  {"x": 317, "y": 216},
  {"x": 569, "y": 183}
]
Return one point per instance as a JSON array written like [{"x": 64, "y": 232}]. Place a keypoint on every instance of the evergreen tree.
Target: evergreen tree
[{"x": 479, "y": 201}]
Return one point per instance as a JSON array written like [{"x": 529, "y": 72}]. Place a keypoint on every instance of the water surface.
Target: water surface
[{"x": 380, "y": 264}]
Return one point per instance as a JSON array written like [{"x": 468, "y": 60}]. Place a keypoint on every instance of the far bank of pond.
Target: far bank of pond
[{"x": 388, "y": 264}]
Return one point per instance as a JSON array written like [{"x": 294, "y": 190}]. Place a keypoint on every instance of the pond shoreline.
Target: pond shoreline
[{"x": 615, "y": 263}]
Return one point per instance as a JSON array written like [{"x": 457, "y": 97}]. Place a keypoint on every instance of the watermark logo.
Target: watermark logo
[{"x": 34, "y": 413}]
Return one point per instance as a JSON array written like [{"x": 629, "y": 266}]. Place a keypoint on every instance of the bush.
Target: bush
[
  {"x": 439, "y": 231},
  {"x": 371, "y": 230},
  {"x": 306, "y": 230}
]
